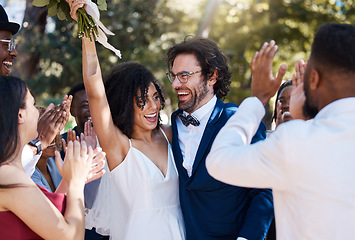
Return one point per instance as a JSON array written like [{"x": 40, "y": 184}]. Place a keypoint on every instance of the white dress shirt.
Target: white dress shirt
[
  {"x": 190, "y": 136},
  {"x": 310, "y": 166},
  {"x": 28, "y": 160}
]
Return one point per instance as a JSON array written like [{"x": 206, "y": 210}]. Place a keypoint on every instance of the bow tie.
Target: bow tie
[{"x": 189, "y": 119}]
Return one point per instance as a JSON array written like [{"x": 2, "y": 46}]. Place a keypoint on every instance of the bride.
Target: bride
[{"x": 125, "y": 113}]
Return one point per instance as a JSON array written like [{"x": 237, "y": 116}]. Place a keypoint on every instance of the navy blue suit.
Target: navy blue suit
[{"x": 212, "y": 209}]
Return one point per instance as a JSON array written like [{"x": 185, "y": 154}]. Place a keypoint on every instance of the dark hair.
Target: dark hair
[
  {"x": 333, "y": 47},
  {"x": 281, "y": 88},
  {"x": 13, "y": 92},
  {"x": 121, "y": 86},
  {"x": 76, "y": 88},
  {"x": 210, "y": 58}
]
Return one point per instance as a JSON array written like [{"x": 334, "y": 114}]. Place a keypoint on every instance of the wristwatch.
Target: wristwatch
[{"x": 37, "y": 144}]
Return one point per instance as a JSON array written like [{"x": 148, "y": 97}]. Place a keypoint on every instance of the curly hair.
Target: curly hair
[
  {"x": 121, "y": 86},
  {"x": 13, "y": 93},
  {"x": 210, "y": 58}
]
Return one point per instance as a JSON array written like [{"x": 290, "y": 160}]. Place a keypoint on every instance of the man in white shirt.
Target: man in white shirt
[
  {"x": 309, "y": 165},
  {"x": 212, "y": 210}
]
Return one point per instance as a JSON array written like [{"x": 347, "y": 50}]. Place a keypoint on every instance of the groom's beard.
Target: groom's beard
[{"x": 309, "y": 111}]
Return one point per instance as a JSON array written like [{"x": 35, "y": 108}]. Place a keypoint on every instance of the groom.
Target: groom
[{"x": 212, "y": 210}]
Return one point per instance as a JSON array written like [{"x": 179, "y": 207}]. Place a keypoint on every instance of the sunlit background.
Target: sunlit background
[{"x": 50, "y": 52}]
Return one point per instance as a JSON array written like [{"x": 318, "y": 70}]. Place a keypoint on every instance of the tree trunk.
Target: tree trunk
[
  {"x": 29, "y": 41},
  {"x": 205, "y": 25}
]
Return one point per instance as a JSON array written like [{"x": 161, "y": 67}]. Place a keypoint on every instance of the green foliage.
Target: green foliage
[
  {"x": 40, "y": 3},
  {"x": 145, "y": 29},
  {"x": 101, "y": 4},
  {"x": 242, "y": 26},
  {"x": 56, "y": 7}
]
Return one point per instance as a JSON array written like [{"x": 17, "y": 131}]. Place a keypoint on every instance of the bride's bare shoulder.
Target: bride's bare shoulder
[{"x": 168, "y": 132}]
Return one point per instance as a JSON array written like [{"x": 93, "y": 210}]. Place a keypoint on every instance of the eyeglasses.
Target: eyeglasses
[
  {"x": 11, "y": 44},
  {"x": 181, "y": 76}
]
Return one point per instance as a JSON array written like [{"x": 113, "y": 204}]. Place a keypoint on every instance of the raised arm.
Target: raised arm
[
  {"x": 230, "y": 160},
  {"x": 111, "y": 139}
]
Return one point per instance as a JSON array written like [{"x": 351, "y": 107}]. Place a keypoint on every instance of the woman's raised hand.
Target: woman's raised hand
[{"x": 74, "y": 6}]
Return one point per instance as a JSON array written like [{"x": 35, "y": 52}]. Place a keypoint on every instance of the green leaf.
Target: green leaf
[
  {"x": 40, "y": 3},
  {"x": 64, "y": 6},
  {"x": 102, "y": 5},
  {"x": 61, "y": 15},
  {"x": 52, "y": 11},
  {"x": 52, "y": 3},
  {"x": 99, "y": 2}
]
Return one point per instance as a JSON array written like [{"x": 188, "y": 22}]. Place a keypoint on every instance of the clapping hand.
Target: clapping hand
[
  {"x": 89, "y": 134},
  {"x": 53, "y": 121},
  {"x": 77, "y": 162},
  {"x": 89, "y": 137},
  {"x": 71, "y": 136}
]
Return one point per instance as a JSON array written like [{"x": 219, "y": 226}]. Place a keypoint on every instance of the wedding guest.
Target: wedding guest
[
  {"x": 8, "y": 52},
  {"x": 53, "y": 120},
  {"x": 308, "y": 164},
  {"x": 57, "y": 216},
  {"x": 282, "y": 104},
  {"x": 79, "y": 109},
  {"x": 46, "y": 173},
  {"x": 199, "y": 74}
]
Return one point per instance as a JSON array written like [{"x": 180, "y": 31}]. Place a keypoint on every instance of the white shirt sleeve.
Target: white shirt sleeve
[
  {"x": 256, "y": 165},
  {"x": 28, "y": 160}
]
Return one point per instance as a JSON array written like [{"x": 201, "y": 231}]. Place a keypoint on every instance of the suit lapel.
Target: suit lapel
[
  {"x": 176, "y": 147},
  {"x": 207, "y": 138}
]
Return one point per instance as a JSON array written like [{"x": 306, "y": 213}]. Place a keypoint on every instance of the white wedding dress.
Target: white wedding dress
[{"x": 143, "y": 203}]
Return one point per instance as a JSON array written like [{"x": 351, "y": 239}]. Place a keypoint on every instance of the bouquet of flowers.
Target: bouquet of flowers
[{"x": 89, "y": 24}]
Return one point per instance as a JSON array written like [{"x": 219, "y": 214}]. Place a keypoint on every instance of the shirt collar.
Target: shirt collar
[
  {"x": 205, "y": 109},
  {"x": 337, "y": 107}
]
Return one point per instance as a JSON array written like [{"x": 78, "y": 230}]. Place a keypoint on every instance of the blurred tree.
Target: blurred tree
[
  {"x": 34, "y": 23},
  {"x": 208, "y": 18},
  {"x": 242, "y": 26},
  {"x": 50, "y": 53}
]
